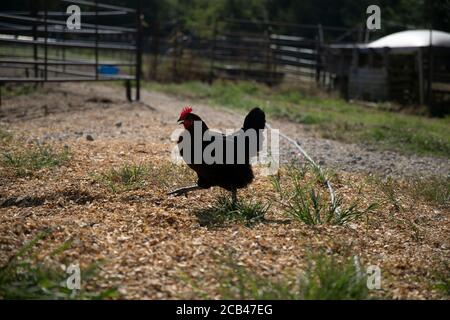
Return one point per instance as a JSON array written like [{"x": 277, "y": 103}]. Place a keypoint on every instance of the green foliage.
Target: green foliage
[
  {"x": 312, "y": 208},
  {"x": 170, "y": 175},
  {"x": 137, "y": 176},
  {"x": 224, "y": 210},
  {"x": 5, "y": 137},
  {"x": 442, "y": 279},
  {"x": 198, "y": 16},
  {"x": 125, "y": 178},
  {"x": 433, "y": 189},
  {"x": 237, "y": 282},
  {"x": 307, "y": 203},
  {"x": 388, "y": 188},
  {"x": 324, "y": 279},
  {"x": 26, "y": 277},
  {"x": 29, "y": 161},
  {"x": 14, "y": 90}
]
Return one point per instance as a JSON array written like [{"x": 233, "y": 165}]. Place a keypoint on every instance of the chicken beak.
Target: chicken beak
[{"x": 180, "y": 121}]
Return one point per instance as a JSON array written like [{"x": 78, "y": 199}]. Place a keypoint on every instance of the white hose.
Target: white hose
[
  {"x": 313, "y": 163},
  {"x": 310, "y": 160}
]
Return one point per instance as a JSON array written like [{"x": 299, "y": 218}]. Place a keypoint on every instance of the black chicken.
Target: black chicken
[{"x": 231, "y": 168}]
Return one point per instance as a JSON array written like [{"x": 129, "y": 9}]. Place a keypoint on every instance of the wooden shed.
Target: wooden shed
[{"x": 410, "y": 67}]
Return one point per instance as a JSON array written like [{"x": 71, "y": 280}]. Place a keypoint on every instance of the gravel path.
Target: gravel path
[{"x": 85, "y": 100}]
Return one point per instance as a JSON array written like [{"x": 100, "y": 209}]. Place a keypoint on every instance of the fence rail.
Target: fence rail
[
  {"x": 268, "y": 52},
  {"x": 37, "y": 46}
]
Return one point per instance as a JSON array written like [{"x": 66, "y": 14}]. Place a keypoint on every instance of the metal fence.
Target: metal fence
[
  {"x": 37, "y": 46},
  {"x": 268, "y": 52}
]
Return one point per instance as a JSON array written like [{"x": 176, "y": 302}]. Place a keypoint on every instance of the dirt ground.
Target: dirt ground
[{"x": 150, "y": 241}]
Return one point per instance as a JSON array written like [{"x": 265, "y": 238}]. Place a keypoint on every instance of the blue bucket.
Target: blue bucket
[{"x": 108, "y": 69}]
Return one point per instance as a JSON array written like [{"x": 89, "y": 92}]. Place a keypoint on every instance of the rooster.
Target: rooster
[{"x": 231, "y": 168}]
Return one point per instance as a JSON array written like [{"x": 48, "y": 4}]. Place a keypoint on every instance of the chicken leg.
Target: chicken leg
[
  {"x": 234, "y": 197},
  {"x": 181, "y": 191}
]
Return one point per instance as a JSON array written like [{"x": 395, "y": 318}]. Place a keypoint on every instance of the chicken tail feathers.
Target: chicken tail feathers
[{"x": 256, "y": 119}]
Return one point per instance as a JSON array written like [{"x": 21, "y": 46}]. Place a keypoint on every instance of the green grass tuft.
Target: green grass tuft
[
  {"x": 433, "y": 189},
  {"x": 125, "y": 178},
  {"x": 5, "y": 137},
  {"x": 27, "y": 162},
  {"x": 442, "y": 279},
  {"x": 15, "y": 89},
  {"x": 312, "y": 208},
  {"x": 223, "y": 211},
  {"x": 167, "y": 176},
  {"x": 310, "y": 204},
  {"x": 324, "y": 279},
  {"x": 170, "y": 176},
  {"x": 26, "y": 277}
]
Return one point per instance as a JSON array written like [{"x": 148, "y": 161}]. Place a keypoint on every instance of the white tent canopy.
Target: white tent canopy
[
  {"x": 403, "y": 42},
  {"x": 412, "y": 39}
]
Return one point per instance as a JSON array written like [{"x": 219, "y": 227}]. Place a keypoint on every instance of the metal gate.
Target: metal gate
[{"x": 36, "y": 44}]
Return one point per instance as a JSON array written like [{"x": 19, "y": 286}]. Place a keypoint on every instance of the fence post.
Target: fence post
[
  {"x": 96, "y": 40},
  {"x": 175, "y": 53},
  {"x": 430, "y": 72},
  {"x": 138, "y": 49},
  {"x": 360, "y": 33},
  {"x": 270, "y": 74},
  {"x": 319, "y": 43},
  {"x": 212, "y": 54},
  {"x": 419, "y": 60},
  {"x": 45, "y": 40},
  {"x": 34, "y": 13},
  {"x": 386, "y": 64},
  {"x": 155, "y": 50}
]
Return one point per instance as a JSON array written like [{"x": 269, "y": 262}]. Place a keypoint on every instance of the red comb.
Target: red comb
[{"x": 185, "y": 112}]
